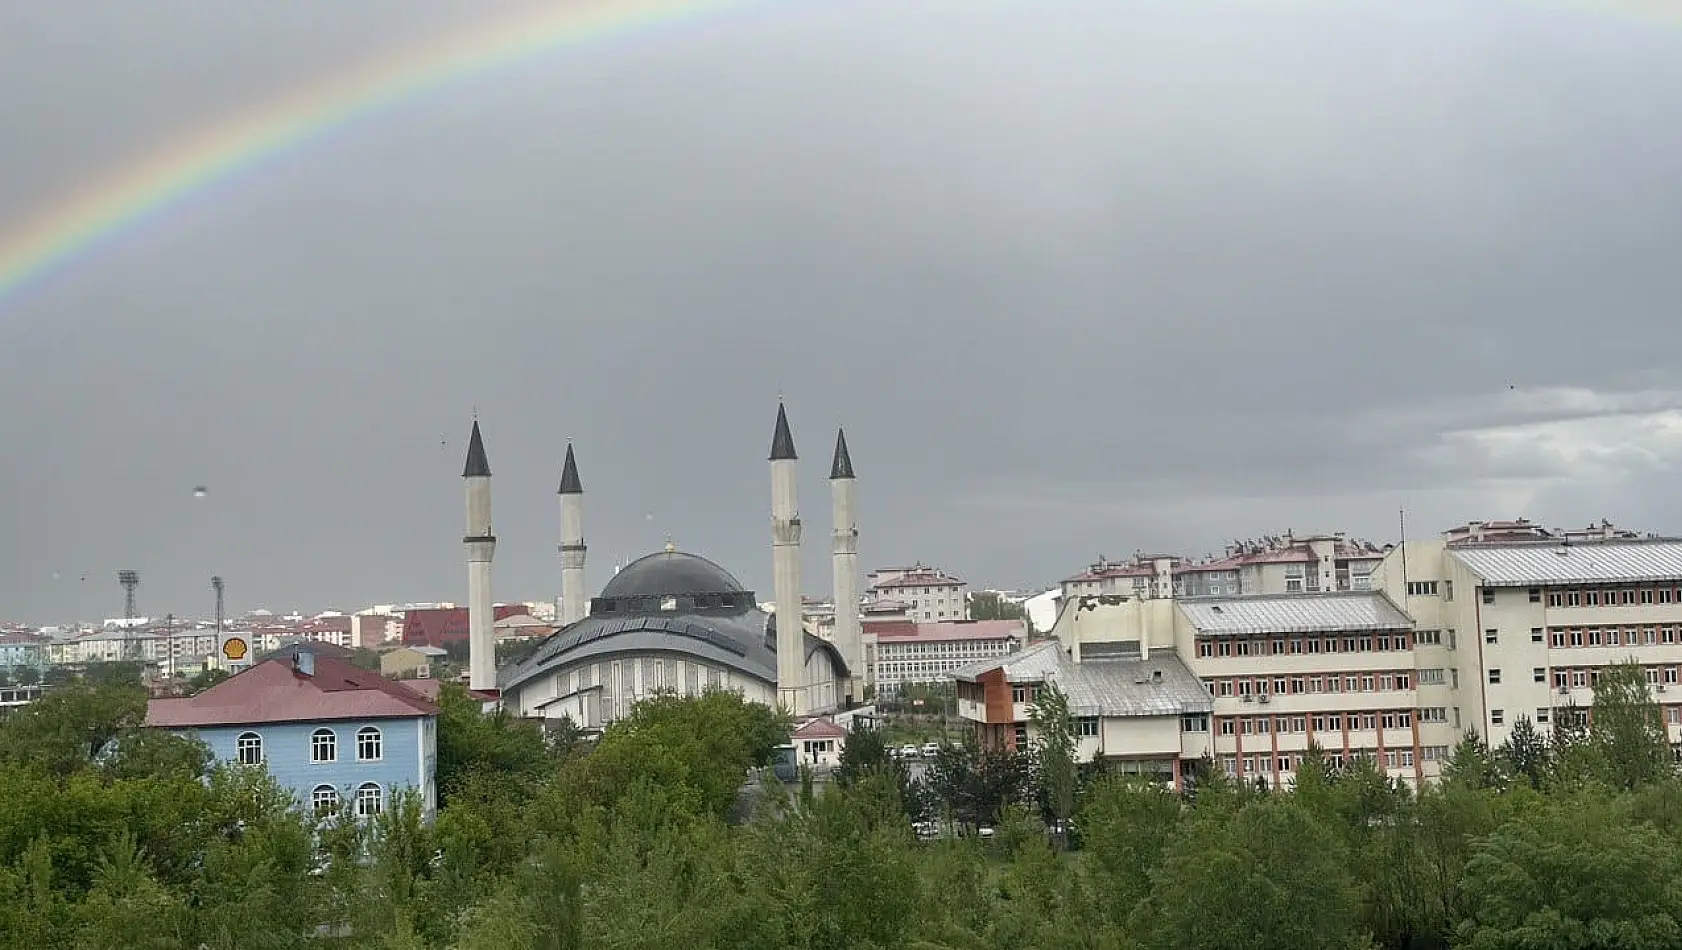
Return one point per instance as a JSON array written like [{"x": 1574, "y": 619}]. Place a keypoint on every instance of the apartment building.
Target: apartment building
[
  {"x": 927, "y": 593},
  {"x": 1519, "y": 621},
  {"x": 1280, "y": 564},
  {"x": 1270, "y": 674},
  {"x": 899, "y": 653}
]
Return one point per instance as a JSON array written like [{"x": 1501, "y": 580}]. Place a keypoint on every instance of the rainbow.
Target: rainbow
[{"x": 87, "y": 219}]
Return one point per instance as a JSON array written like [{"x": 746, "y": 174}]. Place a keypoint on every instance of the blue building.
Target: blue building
[{"x": 329, "y": 731}]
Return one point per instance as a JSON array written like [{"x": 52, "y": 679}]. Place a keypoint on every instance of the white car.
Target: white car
[
  {"x": 908, "y": 752},
  {"x": 930, "y": 750}
]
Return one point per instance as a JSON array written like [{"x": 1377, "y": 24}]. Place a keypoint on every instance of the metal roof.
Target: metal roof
[
  {"x": 1159, "y": 686},
  {"x": 1540, "y": 565},
  {"x": 1294, "y": 613}
]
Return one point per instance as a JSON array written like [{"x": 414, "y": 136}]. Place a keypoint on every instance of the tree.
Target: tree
[
  {"x": 1525, "y": 754},
  {"x": 1471, "y": 765},
  {"x": 1054, "y": 754},
  {"x": 986, "y": 605},
  {"x": 1627, "y": 729},
  {"x": 1578, "y": 873},
  {"x": 1279, "y": 875}
]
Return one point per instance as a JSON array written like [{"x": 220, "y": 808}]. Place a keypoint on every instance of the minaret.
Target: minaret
[
  {"x": 785, "y": 572},
  {"x": 844, "y": 558},
  {"x": 573, "y": 598},
  {"x": 481, "y": 548}
]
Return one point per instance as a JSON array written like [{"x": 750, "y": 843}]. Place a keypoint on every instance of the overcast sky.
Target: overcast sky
[{"x": 1078, "y": 277}]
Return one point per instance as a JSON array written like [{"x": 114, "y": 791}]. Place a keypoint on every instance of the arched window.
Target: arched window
[
  {"x": 324, "y": 798},
  {"x": 249, "y": 748},
  {"x": 370, "y": 799},
  {"x": 324, "y": 746},
  {"x": 368, "y": 746}
]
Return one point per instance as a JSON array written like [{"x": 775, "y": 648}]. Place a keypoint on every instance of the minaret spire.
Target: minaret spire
[
  {"x": 842, "y": 467},
  {"x": 844, "y": 562},
  {"x": 574, "y": 601},
  {"x": 478, "y": 466},
  {"x": 793, "y": 693},
  {"x": 481, "y": 550},
  {"x": 782, "y": 440}
]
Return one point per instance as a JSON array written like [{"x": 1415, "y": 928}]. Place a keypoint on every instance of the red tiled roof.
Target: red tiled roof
[
  {"x": 436, "y": 626},
  {"x": 888, "y": 628},
  {"x": 274, "y": 691},
  {"x": 956, "y": 630},
  {"x": 820, "y": 729}
]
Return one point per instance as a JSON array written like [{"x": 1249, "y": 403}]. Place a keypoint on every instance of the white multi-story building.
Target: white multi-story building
[
  {"x": 900, "y": 653},
  {"x": 1468, "y": 631},
  {"x": 928, "y": 594},
  {"x": 1519, "y": 621}
]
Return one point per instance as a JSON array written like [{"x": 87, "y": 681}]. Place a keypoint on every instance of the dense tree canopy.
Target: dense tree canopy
[{"x": 115, "y": 837}]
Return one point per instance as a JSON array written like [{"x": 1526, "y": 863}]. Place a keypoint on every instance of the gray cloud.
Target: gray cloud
[{"x": 1078, "y": 277}]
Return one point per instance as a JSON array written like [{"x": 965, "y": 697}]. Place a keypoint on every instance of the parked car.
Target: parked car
[{"x": 930, "y": 750}]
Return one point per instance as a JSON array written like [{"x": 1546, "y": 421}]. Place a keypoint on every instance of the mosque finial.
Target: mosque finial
[{"x": 671, "y": 548}]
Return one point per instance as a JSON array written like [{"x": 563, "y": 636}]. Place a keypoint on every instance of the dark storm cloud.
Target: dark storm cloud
[{"x": 1077, "y": 277}]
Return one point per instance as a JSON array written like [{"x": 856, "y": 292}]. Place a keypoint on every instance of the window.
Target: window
[
  {"x": 1495, "y": 677},
  {"x": 1021, "y": 735},
  {"x": 369, "y": 800},
  {"x": 1539, "y": 674},
  {"x": 1429, "y": 638},
  {"x": 1433, "y": 714},
  {"x": 249, "y": 749},
  {"x": 1535, "y": 595},
  {"x": 1542, "y": 716},
  {"x": 324, "y": 798},
  {"x": 1086, "y": 726},
  {"x": 1535, "y": 634},
  {"x": 1488, "y": 595},
  {"x": 324, "y": 747},
  {"x": 1491, "y": 635},
  {"x": 368, "y": 744},
  {"x": 1431, "y": 677},
  {"x": 1194, "y": 723},
  {"x": 1497, "y": 717}
]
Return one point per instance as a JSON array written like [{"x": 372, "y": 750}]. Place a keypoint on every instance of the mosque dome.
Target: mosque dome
[{"x": 670, "y": 573}]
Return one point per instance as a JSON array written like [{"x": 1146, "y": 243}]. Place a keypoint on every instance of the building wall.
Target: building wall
[
  {"x": 892, "y": 662},
  {"x": 409, "y": 752},
  {"x": 597, "y": 692},
  {"x": 1505, "y": 652}
]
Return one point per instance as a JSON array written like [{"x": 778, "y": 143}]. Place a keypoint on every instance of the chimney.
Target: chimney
[{"x": 304, "y": 662}]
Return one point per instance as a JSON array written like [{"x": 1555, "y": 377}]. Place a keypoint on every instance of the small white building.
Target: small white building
[
  {"x": 819, "y": 743},
  {"x": 929, "y": 594}
]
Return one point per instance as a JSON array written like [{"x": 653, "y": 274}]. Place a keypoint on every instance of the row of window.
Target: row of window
[
  {"x": 1295, "y": 646},
  {"x": 1324, "y": 722},
  {"x": 370, "y": 799},
  {"x": 1291, "y": 761},
  {"x": 1602, "y": 636},
  {"x": 324, "y": 746},
  {"x": 1086, "y": 727},
  {"x": 1326, "y": 683},
  {"x": 1560, "y": 597},
  {"x": 1569, "y": 678}
]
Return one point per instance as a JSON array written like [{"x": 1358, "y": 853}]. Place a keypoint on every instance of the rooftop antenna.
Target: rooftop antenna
[
  {"x": 217, "y": 586},
  {"x": 129, "y": 581}
]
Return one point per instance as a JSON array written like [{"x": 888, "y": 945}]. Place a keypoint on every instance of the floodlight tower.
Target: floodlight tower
[
  {"x": 129, "y": 581},
  {"x": 217, "y": 586}
]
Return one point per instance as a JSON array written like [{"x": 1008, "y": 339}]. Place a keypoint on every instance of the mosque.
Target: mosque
[{"x": 672, "y": 621}]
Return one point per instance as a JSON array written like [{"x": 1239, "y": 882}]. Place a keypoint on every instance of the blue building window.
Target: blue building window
[
  {"x": 249, "y": 748},
  {"x": 324, "y": 747},
  {"x": 370, "y": 800},
  {"x": 368, "y": 747},
  {"x": 324, "y": 798}
]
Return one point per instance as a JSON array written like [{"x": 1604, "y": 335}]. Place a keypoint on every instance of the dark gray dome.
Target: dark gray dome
[{"x": 671, "y": 574}]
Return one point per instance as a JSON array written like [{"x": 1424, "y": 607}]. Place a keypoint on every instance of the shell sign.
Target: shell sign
[{"x": 234, "y": 648}]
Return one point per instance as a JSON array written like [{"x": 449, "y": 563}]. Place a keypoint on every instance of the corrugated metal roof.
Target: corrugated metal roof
[
  {"x": 1159, "y": 686},
  {"x": 1294, "y": 613},
  {"x": 1540, "y": 565}
]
